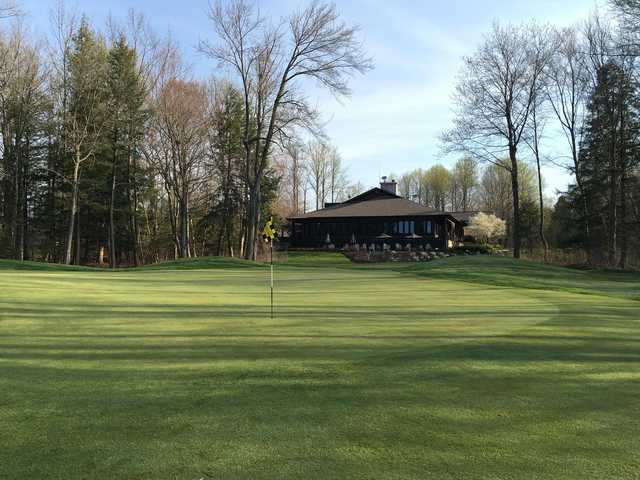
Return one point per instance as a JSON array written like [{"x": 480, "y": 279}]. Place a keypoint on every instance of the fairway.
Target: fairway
[{"x": 469, "y": 367}]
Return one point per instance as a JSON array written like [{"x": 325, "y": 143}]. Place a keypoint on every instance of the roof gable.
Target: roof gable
[{"x": 372, "y": 194}]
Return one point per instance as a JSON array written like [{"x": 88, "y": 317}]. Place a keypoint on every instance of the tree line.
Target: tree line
[
  {"x": 113, "y": 152},
  {"x": 525, "y": 82},
  {"x": 470, "y": 186}
]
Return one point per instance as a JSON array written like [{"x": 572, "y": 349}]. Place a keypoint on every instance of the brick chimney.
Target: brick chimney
[{"x": 391, "y": 187}]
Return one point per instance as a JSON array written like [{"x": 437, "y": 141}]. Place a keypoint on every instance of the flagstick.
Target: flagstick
[{"x": 271, "y": 244}]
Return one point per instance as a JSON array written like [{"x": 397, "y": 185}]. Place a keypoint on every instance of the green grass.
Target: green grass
[{"x": 471, "y": 367}]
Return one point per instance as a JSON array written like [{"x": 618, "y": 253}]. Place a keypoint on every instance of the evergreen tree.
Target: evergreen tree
[
  {"x": 125, "y": 130},
  {"x": 84, "y": 127},
  {"x": 226, "y": 156},
  {"x": 608, "y": 156}
]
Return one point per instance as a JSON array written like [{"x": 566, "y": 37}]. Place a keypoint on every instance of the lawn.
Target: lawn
[{"x": 463, "y": 368}]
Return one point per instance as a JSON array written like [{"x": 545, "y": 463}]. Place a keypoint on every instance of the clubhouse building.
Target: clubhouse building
[{"x": 377, "y": 217}]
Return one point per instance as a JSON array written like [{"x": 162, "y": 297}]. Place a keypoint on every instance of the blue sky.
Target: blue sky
[{"x": 392, "y": 121}]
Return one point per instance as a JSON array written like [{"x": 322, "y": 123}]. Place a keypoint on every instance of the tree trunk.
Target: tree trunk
[
  {"x": 536, "y": 152},
  {"x": 184, "y": 226},
  {"x": 229, "y": 244},
  {"x": 78, "y": 237},
  {"x": 17, "y": 190},
  {"x": 543, "y": 238},
  {"x": 585, "y": 203},
  {"x": 112, "y": 227},
  {"x": 253, "y": 219},
  {"x": 515, "y": 193},
  {"x": 132, "y": 196},
  {"x": 624, "y": 235},
  {"x": 74, "y": 207},
  {"x": 613, "y": 212},
  {"x": 193, "y": 252},
  {"x": 172, "y": 205},
  {"x": 221, "y": 235},
  {"x": 52, "y": 253},
  {"x": 22, "y": 225}
]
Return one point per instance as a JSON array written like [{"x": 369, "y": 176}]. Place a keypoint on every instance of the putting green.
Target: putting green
[{"x": 461, "y": 368}]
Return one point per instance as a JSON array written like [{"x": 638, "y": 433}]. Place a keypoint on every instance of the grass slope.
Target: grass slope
[
  {"x": 509, "y": 272},
  {"x": 468, "y": 368}
]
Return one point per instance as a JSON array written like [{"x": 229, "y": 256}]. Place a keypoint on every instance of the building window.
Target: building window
[{"x": 429, "y": 227}]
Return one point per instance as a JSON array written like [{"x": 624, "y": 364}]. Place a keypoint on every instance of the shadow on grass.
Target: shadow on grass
[{"x": 483, "y": 408}]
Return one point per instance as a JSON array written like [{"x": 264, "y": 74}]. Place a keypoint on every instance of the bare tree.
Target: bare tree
[
  {"x": 566, "y": 77},
  {"x": 494, "y": 99},
  {"x": 318, "y": 170},
  {"x": 270, "y": 62},
  {"x": 176, "y": 148},
  {"x": 536, "y": 128},
  {"x": 599, "y": 46},
  {"x": 8, "y": 8},
  {"x": 494, "y": 191},
  {"x": 354, "y": 189},
  {"x": 295, "y": 172},
  {"x": 413, "y": 186},
  {"x": 437, "y": 181},
  {"x": 629, "y": 8},
  {"x": 337, "y": 176},
  {"x": 465, "y": 177}
]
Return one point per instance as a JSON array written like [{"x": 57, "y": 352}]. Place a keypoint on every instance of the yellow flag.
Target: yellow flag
[{"x": 268, "y": 233}]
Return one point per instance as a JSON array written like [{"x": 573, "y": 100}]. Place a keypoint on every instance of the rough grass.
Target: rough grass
[{"x": 472, "y": 367}]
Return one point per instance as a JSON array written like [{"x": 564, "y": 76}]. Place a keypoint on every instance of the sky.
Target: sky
[{"x": 392, "y": 121}]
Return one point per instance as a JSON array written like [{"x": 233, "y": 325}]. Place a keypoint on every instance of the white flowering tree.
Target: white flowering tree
[{"x": 488, "y": 227}]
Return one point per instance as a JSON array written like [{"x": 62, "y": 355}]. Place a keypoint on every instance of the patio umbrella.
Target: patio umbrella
[
  {"x": 413, "y": 236},
  {"x": 384, "y": 236}
]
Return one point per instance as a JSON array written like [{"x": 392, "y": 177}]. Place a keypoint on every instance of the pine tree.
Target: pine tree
[
  {"x": 607, "y": 156},
  {"x": 226, "y": 159},
  {"x": 86, "y": 120},
  {"x": 125, "y": 129}
]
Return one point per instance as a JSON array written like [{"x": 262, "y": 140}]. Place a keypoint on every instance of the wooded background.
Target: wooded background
[{"x": 114, "y": 153}]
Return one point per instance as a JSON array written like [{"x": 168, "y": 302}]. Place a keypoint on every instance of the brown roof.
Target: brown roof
[{"x": 378, "y": 207}]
